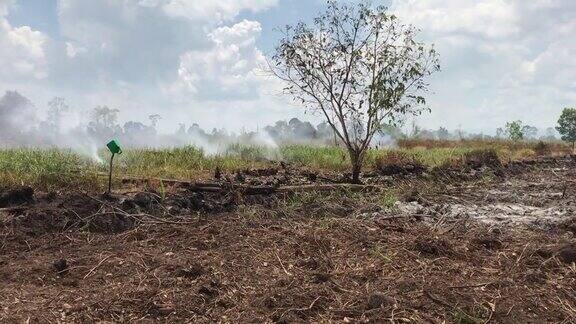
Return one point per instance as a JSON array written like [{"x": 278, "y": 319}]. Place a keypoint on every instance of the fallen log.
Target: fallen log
[
  {"x": 137, "y": 180},
  {"x": 252, "y": 190},
  {"x": 328, "y": 187}
]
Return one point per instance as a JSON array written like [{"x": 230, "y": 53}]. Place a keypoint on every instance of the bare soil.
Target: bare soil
[
  {"x": 475, "y": 244},
  {"x": 535, "y": 194}
]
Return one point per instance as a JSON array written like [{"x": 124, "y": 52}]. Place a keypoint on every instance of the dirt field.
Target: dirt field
[{"x": 485, "y": 243}]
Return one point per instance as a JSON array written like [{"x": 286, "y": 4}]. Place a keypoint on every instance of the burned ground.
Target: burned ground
[{"x": 437, "y": 255}]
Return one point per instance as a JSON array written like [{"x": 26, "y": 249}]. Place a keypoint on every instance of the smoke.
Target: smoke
[
  {"x": 22, "y": 124},
  {"x": 17, "y": 115}
]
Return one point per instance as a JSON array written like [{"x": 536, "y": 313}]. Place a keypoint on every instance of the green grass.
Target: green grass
[
  {"x": 55, "y": 169},
  {"x": 331, "y": 158},
  {"x": 184, "y": 163},
  {"x": 49, "y": 169},
  {"x": 388, "y": 198}
]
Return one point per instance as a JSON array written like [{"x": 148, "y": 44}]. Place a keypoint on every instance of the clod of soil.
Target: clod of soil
[
  {"x": 570, "y": 225},
  {"x": 321, "y": 277},
  {"x": 111, "y": 223},
  {"x": 311, "y": 176},
  {"x": 239, "y": 177},
  {"x": 16, "y": 196},
  {"x": 395, "y": 169},
  {"x": 535, "y": 276},
  {"x": 217, "y": 173},
  {"x": 261, "y": 172},
  {"x": 192, "y": 272},
  {"x": 45, "y": 220},
  {"x": 567, "y": 254},
  {"x": 144, "y": 199},
  {"x": 61, "y": 266},
  {"x": 490, "y": 243},
  {"x": 544, "y": 252},
  {"x": 394, "y": 163},
  {"x": 379, "y": 300},
  {"x": 209, "y": 291},
  {"x": 433, "y": 246}
]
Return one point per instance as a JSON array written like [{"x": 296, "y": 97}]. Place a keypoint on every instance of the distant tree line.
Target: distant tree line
[{"x": 20, "y": 124}]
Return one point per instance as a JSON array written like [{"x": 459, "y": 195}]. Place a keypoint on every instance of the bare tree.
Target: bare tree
[
  {"x": 57, "y": 107},
  {"x": 358, "y": 66},
  {"x": 103, "y": 122},
  {"x": 154, "y": 119}
]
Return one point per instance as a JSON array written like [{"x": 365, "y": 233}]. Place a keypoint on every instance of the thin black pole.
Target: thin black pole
[{"x": 110, "y": 175}]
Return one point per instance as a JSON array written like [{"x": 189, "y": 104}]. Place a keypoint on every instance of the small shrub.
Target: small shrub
[
  {"x": 542, "y": 148},
  {"x": 524, "y": 154},
  {"x": 398, "y": 162},
  {"x": 394, "y": 158},
  {"x": 479, "y": 158}
]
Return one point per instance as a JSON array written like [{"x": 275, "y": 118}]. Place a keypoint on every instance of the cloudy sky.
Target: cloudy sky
[{"x": 199, "y": 60}]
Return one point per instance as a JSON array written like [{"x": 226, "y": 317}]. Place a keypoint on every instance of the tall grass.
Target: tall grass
[
  {"x": 497, "y": 144},
  {"x": 332, "y": 158},
  {"x": 49, "y": 169},
  {"x": 185, "y": 162},
  {"x": 53, "y": 168}
]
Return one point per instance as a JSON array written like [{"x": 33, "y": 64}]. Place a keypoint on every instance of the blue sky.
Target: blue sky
[
  {"x": 38, "y": 14},
  {"x": 199, "y": 60}
]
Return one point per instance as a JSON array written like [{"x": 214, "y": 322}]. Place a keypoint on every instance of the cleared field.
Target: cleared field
[{"x": 471, "y": 242}]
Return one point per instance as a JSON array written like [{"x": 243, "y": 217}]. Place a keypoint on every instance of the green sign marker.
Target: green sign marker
[{"x": 115, "y": 148}]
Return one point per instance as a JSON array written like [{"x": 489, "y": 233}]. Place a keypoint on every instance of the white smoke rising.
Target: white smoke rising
[{"x": 23, "y": 125}]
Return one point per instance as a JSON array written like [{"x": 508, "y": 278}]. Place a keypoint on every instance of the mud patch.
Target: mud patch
[
  {"x": 16, "y": 196},
  {"x": 433, "y": 246},
  {"x": 110, "y": 223},
  {"x": 44, "y": 220},
  {"x": 567, "y": 253}
]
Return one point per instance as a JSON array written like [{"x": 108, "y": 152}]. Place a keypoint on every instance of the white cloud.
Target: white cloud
[
  {"x": 22, "y": 51},
  {"x": 4, "y": 7},
  {"x": 501, "y": 59},
  {"x": 484, "y": 18},
  {"x": 145, "y": 42},
  {"x": 243, "y": 33},
  {"x": 72, "y": 50},
  {"x": 217, "y": 9},
  {"x": 231, "y": 70},
  {"x": 140, "y": 56}
]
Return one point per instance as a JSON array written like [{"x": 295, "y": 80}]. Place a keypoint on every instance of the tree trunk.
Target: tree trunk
[{"x": 356, "y": 160}]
